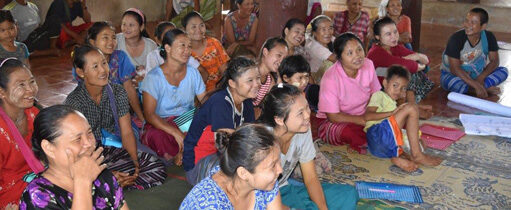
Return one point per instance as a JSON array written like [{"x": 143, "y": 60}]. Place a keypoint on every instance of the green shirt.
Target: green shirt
[{"x": 383, "y": 102}]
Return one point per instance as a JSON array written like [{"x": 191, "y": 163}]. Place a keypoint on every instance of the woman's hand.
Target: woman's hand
[
  {"x": 399, "y": 108},
  {"x": 180, "y": 137},
  {"x": 421, "y": 67},
  {"x": 11, "y": 206},
  {"x": 87, "y": 167},
  {"x": 232, "y": 48},
  {"x": 124, "y": 179},
  {"x": 137, "y": 170}
]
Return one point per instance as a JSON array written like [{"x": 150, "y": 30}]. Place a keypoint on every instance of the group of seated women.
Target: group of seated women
[{"x": 84, "y": 153}]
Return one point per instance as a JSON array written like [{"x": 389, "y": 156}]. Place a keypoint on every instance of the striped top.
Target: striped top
[{"x": 265, "y": 88}]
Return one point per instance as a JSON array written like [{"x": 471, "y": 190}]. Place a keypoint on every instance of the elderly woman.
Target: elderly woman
[
  {"x": 75, "y": 177},
  {"x": 353, "y": 20},
  {"x": 17, "y": 92},
  {"x": 345, "y": 91},
  {"x": 106, "y": 107},
  {"x": 319, "y": 46}
]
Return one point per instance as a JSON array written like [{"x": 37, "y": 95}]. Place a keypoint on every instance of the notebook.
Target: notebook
[
  {"x": 388, "y": 191},
  {"x": 447, "y": 133},
  {"x": 436, "y": 142}
]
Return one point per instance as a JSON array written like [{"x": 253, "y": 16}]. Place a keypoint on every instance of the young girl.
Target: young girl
[
  {"x": 169, "y": 91},
  {"x": 295, "y": 70},
  {"x": 102, "y": 36},
  {"x": 387, "y": 51},
  {"x": 274, "y": 50},
  {"x": 134, "y": 39},
  {"x": 286, "y": 111},
  {"x": 9, "y": 47},
  {"x": 154, "y": 58},
  {"x": 247, "y": 175},
  {"x": 392, "y": 9},
  {"x": 106, "y": 107},
  {"x": 207, "y": 50},
  {"x": 227, "y": 108}
]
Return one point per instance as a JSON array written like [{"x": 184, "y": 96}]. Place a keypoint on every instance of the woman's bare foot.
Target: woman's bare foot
[
  {"x": 406, "y": 165},
  {"x": 428, "y": 160},
  {"x": 493, "y": 90},
  {"x": 178, "y": 159}
]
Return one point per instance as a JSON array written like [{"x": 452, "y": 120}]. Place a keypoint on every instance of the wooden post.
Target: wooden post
[
  {"x": 274, "y": 14},
  {"x": 413, "y": 9}
]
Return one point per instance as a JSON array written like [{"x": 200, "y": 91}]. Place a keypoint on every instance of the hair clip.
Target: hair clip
[
  {"x": 280, "y": 85},
  {"x": 5, "y": 60}
]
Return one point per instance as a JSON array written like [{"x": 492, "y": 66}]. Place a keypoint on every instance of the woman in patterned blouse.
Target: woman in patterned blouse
[
  {"x": 247, "y": 175},
  {"x": 75, "y": 177}
]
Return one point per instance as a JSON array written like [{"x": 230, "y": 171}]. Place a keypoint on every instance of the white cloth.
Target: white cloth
[
  {"x": 154, "y": 59},
  {"x": 318, "y": 53},
  {"x": 481, "y": 104},
  {"x": 149, "y": 45}
]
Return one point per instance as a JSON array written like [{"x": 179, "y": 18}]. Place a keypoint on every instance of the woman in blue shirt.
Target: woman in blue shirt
[
  {"x": 247, "y": 175},
  {"x": 169, "y": 91}
]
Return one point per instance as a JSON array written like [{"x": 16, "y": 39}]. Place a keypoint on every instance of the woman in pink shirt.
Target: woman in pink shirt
[{"x": 345, "y": 91}]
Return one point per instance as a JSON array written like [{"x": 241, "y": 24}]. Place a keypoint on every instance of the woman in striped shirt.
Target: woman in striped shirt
[{"x": 274, "y": 50}]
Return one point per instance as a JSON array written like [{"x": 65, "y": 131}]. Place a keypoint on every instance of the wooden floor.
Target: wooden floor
[{"x": 54, "y": 78}]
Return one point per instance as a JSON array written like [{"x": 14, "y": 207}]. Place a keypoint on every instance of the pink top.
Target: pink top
[
  {"x": 382, "y": 58},
  {"x": 340, "y": 93}
]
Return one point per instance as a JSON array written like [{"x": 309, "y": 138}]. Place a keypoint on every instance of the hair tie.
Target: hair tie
[
  {"x": 5, "y": 60},
  {"x": 280, "y": 85},
  {"x": 135, "y": 10}
]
